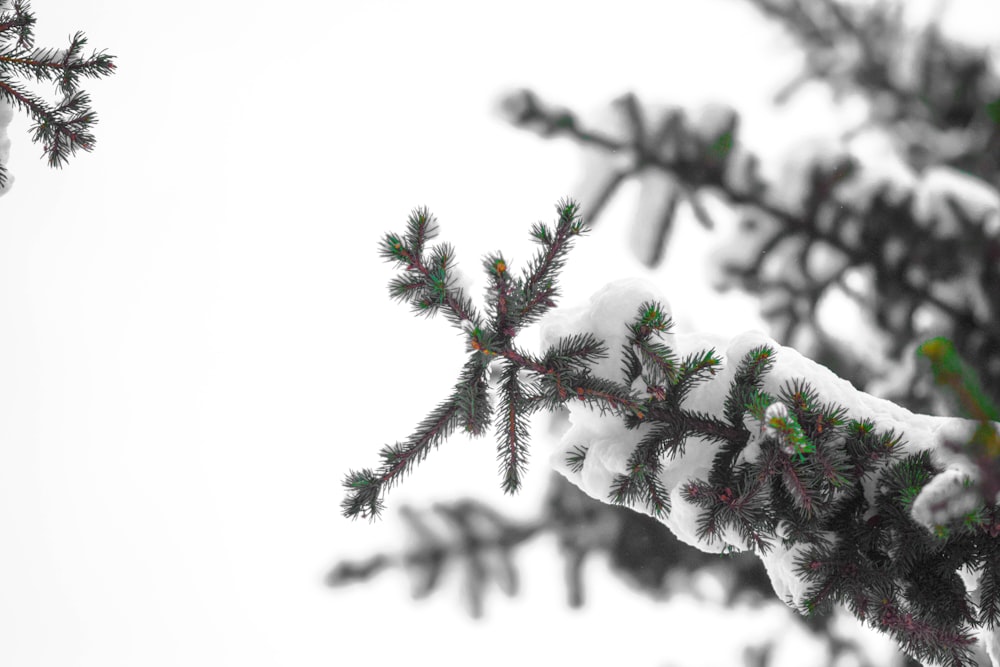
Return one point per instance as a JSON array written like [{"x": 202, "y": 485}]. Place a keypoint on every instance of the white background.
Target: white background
[{"x": 196, "y": 341}]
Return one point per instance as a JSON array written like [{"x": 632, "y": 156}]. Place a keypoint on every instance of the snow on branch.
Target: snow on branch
[
  {"x": 846, "y": 498},
  {"x": 843, "y": 496}
]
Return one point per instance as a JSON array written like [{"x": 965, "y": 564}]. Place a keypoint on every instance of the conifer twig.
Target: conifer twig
[
  {"x": 561, "y": 374},
  {"x": 64, "y": 128}
]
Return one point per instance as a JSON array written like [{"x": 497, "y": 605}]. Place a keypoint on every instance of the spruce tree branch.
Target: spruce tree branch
[
  {"x": 517, "y": 403},
  {"x": 20, "y": 20},
  {"x": 33, "y": 64},
  {"x": 784, "y": 481},
  {"x": 429, "y": 432},
  {"x": 525, "y": 361},
  {"x": 469, "y": 405},
  {"x": 707, "y": 427},
  {"x": 500, "y": 295},
  {"x": 801, "y": 464},
  {"x": 435, "y": 280},
  {"x": 538, "y": 285},
  {"x": 366, "y": 488},
  {"x": 64, "y": 128},
  {"x": 20, "y": 98}
]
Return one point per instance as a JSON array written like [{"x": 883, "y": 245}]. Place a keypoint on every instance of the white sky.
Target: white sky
[{"x": 195, "y": 337}]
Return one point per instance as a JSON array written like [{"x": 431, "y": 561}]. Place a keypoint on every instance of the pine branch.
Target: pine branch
[
  {"x": 517, "y": 402},
  {"x": 800, "y": 487},
  {"x": 989, "y": 594},
  {"x": 428, "y": 285},
  {"x": 747, "y": 382},
  {"x": 661, "y": 361},
  {"x": 499, "y": 295},
  {"x": 64, "y": 128},
  {"x": 17, "y": 20},
  {"x": 575, "y": 459},
  {"x": 366, "y": 487},
  {"x": 537, "y": 283},
  {"x": 606, "y": 395},
  {"x": 641, "y": 484},
  {"x": 574, "y": 353},
  {"x": 695, "y": 369},
  {"x": 813, "y": 474}
]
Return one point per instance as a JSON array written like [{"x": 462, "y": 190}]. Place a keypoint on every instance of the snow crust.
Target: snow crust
[{"x": 609, "y": 444}]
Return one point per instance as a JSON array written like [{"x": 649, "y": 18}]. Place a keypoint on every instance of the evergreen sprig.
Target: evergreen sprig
[
  {"x": 576, "y": 458},
  {"x": 518, "y": 400},
  {"x": 63, "y": 128},
  {"x": 527, "y": 382},
  {"x": 643, "y": 348}
]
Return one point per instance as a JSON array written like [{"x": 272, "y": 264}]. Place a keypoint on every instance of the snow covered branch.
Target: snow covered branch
[
  {"x": 844, "y": 497},
  {"x": 740, "y": 445}
]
